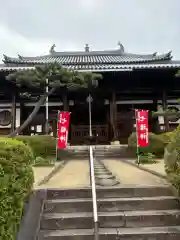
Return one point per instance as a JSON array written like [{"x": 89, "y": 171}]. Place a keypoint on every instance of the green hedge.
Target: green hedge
[
  {"x": 16, "y": 182},
  {"x": 42, "y": 145},
  {"x": 172, "y": 159},
  {"x": 43, "y": 162},
  {"x": 156, "y": 145},
  {"x": 166, "y": 137}
]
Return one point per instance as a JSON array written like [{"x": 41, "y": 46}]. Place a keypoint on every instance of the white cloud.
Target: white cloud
[
  {"x": 141, "y": 26},
  {"x": 88, "y": 5},
  {"x": 12, "y": 43}
]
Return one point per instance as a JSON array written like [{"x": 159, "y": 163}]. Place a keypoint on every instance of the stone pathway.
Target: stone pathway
[
  {"x": 40, "y": 173},
  {"x": 75, "y": 174},
  {"x": 128, "y": 174},
  {"x": 157, "y": 167}
]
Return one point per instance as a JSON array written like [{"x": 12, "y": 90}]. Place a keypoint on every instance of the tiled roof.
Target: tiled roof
[
  {"x": 102, "y": 67},
  {"x": 94, "y": 60}
]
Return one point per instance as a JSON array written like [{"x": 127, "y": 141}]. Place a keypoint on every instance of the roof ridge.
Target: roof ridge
[{"x": 92, "y": 53}]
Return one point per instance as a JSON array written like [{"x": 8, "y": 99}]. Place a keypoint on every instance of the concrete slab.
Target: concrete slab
[
  {"x": 75, "y": 174},
  {"x": 128, "y": 174},
  {"x": 40, "y": 173},
  {"x": 157, "y": 167}
]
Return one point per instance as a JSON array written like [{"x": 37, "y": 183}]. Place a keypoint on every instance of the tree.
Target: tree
[
  {"x": 169, "y": 113},
  {"x": 178, "y": 73},
  {"x": 58, "y": 77}
]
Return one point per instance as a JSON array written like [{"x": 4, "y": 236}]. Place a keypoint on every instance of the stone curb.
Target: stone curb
[
  {"x": 30, "y": 221},
  {"x": 146, "y": 169},
  {"x": 51, "y": 174}
]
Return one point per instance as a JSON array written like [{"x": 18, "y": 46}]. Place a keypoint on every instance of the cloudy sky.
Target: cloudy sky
[{"x": 30, "y": 27}]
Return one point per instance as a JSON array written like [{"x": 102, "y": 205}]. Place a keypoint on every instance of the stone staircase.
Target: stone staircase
[
  {"x": 103, "y": 151},
  {"x": 125, "y": 212}
]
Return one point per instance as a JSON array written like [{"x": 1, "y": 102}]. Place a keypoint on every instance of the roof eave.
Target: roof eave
[{"x": 103, "y": 67}]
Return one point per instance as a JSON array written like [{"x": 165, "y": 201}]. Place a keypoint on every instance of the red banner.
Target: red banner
[
  {"x": 62, "y": 129},
  {"x": 142, "y": 128}
]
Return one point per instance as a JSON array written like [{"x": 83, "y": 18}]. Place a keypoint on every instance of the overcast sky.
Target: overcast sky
[{"x": 30, "y": 27}]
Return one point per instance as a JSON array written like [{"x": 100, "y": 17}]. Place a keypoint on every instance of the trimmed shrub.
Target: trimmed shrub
[
  {"x": 146, "y": 158},
  {"x": 44, "y": 146},
  {"x": 156, "y": 145},
  {"x": 43, "y": 162},
  {"x": 172, "y": 159},
  {"x": 41, "y": 145},
  {"x": 16, "y": 182},
  {"x": 166, "y": 137}
]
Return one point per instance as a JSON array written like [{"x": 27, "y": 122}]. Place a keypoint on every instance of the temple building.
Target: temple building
[{"x": 130, "y": 81}]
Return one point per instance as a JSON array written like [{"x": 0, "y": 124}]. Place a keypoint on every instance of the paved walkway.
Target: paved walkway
[
  {"x": 74, "y": 174},
  {"x": 156, "y": 167},
  {"x": 128, "y": 174},
  {"x": 40, "y": 173}
]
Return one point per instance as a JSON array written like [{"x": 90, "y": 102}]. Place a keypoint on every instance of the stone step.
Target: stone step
[
  {"x": 129, "y": 219},
  {"x": 150, "y": 233},
  {"x": 110, "y": 192},
  {"x": 99, "y": 151},
  {"x": 111, "y": 204}
]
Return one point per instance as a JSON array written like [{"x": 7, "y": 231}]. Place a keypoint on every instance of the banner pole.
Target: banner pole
[
  {"x": 137, "y": 145},
  {"x": 57, "y": 137},
  {"x": 47, "y": 108}
]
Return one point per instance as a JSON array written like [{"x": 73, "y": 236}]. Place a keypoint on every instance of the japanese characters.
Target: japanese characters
[
  {"x": 62, "y": 129},
  {"x": 142, "y": 128}
]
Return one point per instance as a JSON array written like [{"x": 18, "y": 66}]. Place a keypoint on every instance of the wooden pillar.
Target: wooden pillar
[
  {"x": 65, "y": 102},
  {"x": 13, "y": 112},
  {"x": 165, "y": 105},
  {"x": 155, "y": 123},
  {"x": 113, "y": 113},
  {"x": 111, "y": 120}
]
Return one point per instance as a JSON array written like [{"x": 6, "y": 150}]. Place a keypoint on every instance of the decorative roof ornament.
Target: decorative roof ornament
[
  {"x": 169, "y": 54},
  {"x": 121, "y": 47},
  {"x": 51, "y": 51},
  {"x": 87, "y": 48},
  {"x": 20, "y": 57},
  {"x": 5, "y": 57}
]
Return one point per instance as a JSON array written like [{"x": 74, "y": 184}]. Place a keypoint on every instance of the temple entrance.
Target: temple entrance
[
  {"x": 124, "y": 124},
  {"x": 79, "y": 132}
]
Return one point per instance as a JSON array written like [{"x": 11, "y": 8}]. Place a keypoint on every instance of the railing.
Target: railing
[
  {"x": 94, "y": 197},
  {"x": 80, "y": 132}
]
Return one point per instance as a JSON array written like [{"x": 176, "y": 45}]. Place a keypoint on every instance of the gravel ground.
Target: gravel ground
[
  {"x": 74, "y": 174},
  {"x": 128, "y": 174}
]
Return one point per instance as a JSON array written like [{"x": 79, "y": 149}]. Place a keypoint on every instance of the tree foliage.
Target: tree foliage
[
  {"x": 52, "y": 75},
  {"x": 178, "y": 73},
  {"x": 167, "y": 113},
  {"x": 16, "y": 183},
  {"x": 58, "y": 77}
]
